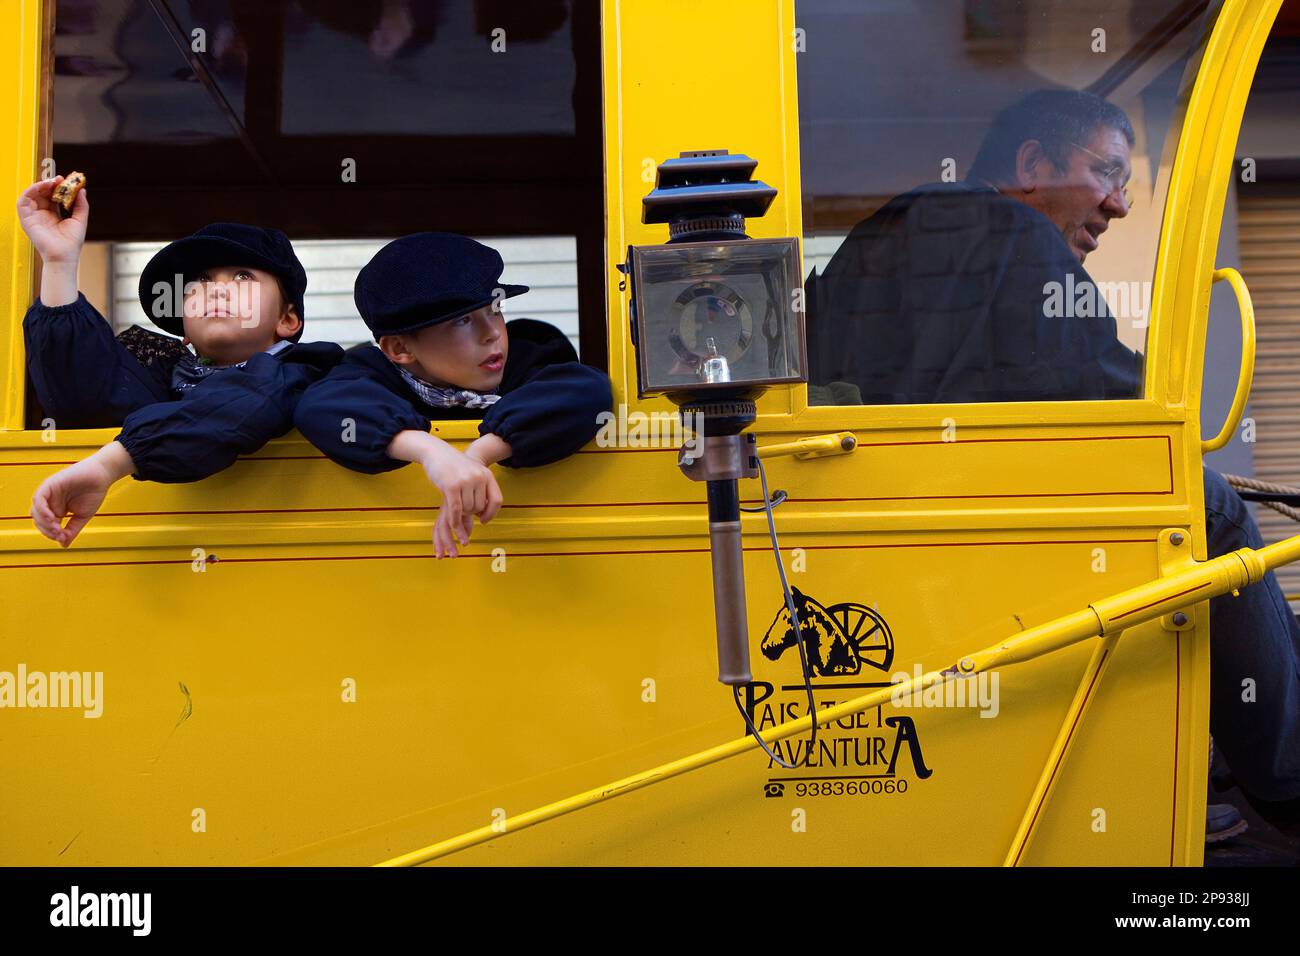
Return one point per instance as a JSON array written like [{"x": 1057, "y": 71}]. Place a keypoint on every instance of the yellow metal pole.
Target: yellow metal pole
[
  {"x": 1231, "y": 572},
  {"x": 1105, "y": 617},
  {"x": 1061, "y": 746}
]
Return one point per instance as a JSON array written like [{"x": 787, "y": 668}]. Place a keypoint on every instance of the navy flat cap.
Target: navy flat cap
[
  {"x": 427, "y": 278},
  {"x": 219, "y": 244}
]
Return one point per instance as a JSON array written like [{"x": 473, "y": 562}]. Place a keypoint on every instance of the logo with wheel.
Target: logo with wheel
[{"x": 838, "y": 639}]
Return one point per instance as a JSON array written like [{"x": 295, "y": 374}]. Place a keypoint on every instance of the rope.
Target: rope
[{"x": 1252, "y": 484}]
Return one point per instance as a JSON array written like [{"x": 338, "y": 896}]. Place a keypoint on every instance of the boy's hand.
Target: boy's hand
[
  {"x": 446, "y": 536},
  {"x": 468, "y": 488},
  {"x": 467, "y": 484},
  {"x": 488, "y": 450},
  {"x": 78, "y": 491},
  {"x": 57, "y": 240}
]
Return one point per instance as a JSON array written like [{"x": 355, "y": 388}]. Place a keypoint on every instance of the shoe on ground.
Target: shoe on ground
[{"x": 1223, "y": 821}]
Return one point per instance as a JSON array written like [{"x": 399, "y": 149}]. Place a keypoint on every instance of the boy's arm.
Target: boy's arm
[
  {"x": 549, "y": 417},
  {"x": 58, "y": 284},
  {"x": 467, "y": 484},
  {"x": 58, "y": 241},
  {"x": 83, "y": 377},
  {"x": 353, "y": 420},
  {"x": 76, "y": 492},
  {"x": 489, "y": 449},
  {"x": 234, "y": 413},
  {"x": 361, "y": 425}
]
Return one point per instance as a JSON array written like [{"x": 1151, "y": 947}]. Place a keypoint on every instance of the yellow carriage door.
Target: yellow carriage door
[
  {"x": 1032, "y": 384},
  {"x": 1008, "y": 215}
]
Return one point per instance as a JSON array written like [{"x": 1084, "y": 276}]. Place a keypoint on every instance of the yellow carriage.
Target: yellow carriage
[{"x": 288, "y": 677}]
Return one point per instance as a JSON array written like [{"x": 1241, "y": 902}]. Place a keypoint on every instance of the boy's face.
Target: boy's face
[
  {"x": 234, "y": 312},
  {"x": 468, "y": 352}
]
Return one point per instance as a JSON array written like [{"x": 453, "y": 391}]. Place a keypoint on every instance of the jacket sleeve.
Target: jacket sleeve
[
  {"x": 83, "y": 377},
  {"x": 551, "y": 415},
  {"x": 1067, "y": 344},
  {"x": 352, "y": 418},
  {"x": 234, "y": 413}
]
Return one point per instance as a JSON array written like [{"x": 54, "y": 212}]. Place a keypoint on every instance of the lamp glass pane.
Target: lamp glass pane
[{"x": 701, "y": 302}]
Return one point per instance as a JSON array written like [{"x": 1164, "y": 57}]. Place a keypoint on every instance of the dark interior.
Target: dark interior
[{"x": 445, "y": 133}]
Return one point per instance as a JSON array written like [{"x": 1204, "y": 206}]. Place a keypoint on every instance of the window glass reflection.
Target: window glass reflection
[{"x": 982, "y": 194}]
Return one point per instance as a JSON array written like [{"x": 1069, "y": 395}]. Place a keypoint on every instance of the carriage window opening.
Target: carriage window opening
[
  {"x": 546, "y": 264},
  {"x": 982, "y": 196},
  {"x": 342, "y": 123}
]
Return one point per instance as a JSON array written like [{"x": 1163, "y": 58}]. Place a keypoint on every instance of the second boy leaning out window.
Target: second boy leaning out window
[{"x": 443, "y": 350}]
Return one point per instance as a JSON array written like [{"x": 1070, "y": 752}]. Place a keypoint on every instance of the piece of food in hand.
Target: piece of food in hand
[{"x": 65, "y": 194}]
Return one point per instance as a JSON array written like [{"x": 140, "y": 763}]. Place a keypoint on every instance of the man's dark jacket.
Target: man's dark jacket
[{"x": 945, "y": 295}]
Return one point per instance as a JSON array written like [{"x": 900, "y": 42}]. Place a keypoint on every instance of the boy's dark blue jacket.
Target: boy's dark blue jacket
[
  {"x": 548, "y": 410},
  {"x": 84, "y": 378}
]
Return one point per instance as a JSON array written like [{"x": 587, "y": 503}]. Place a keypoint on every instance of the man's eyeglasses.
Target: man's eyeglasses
[{"x": 1109, "y": 174}]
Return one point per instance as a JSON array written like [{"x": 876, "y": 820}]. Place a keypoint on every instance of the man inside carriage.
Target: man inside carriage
[{"x": 943, "y": 295}]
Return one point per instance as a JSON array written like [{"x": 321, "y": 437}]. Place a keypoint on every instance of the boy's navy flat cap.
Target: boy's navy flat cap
[
  {"x": 427, "y": 278},
  {"x": 220, "y": 244}
]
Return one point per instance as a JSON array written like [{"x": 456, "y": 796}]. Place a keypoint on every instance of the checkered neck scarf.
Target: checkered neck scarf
[
  {"x": 190, "y": 371},
  {"x": 437, "y": 396}
]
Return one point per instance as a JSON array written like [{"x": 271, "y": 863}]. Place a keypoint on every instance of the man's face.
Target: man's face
[
  {"x": 1083, "y": 199},
  {"x": 468, "y": 352}
]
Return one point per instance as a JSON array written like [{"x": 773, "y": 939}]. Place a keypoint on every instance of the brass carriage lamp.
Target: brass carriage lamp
[{"x": 716, "y": 319}]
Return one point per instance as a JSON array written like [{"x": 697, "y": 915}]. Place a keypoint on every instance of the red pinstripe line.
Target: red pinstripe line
[
  {"x": 1008, "y": 494},
  {"x": 627, "y": 451},
  {"x": 264, "y": 511},
  {"x": 982, "y": 441},
  {"x": 594, "y": 504},
  {"x": 569, "y": 554},
  {"x": 1170, "y": 450}
]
